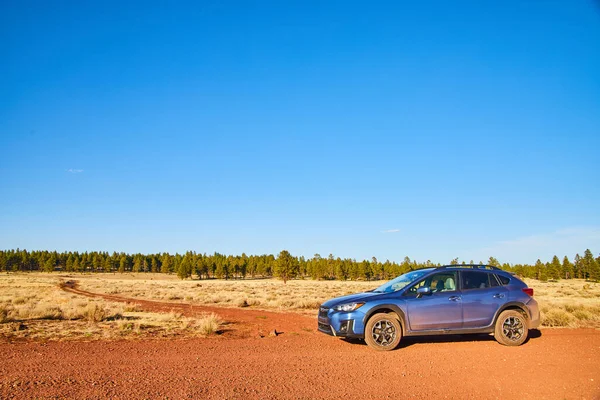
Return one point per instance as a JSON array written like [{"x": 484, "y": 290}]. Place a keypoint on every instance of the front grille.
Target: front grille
[{"x": 323, "y": 311}]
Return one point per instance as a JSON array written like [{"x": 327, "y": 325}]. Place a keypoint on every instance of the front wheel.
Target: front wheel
[
  {"x": 511, "y": 328},
  {"x": 383, "y": 332}
]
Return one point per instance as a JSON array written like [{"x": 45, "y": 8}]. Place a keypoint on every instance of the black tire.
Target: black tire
[
  {"x": 383, "y": 332},
  {"x": 511, "y": 328}
]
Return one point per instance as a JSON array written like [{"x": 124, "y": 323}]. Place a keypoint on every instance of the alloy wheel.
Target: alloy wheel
[
  {"x": 383, "y": 332},
  {"x": 513, "y": 328}
]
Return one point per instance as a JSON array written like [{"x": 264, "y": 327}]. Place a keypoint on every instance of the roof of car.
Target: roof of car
[{"x": 473, "y": 266}]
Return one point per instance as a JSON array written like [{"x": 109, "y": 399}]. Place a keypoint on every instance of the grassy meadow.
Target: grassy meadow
[
  {"x": 33, "y": 305},
  {"x": 572, "y": 303},
  {"x": 566, "y": 303}
]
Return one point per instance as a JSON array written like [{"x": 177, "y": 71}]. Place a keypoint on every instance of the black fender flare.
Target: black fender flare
[
  {"x": 394, "y": 308},
  {"x": 510, "y": 304}
]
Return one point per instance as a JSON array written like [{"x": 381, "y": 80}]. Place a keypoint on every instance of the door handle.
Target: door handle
[
  {"x": 499, "y": 296},
  {"x": 454, "y": 298}
]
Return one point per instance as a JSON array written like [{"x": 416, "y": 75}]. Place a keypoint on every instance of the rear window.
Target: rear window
[
  {"x": 475, "y": 280},
  {"x": 493, "y": 280},
  {"x": 503, "y": 279}
]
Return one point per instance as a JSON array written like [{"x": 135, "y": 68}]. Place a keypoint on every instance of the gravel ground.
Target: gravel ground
[{"x": 245, "y": 362}]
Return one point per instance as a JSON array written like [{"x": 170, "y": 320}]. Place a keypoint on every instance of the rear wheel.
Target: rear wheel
[
  {"x": 383, "y": 332},
  {"x": 511, "y": 328}
]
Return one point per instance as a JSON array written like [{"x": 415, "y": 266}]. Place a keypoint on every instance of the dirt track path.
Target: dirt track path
[
  {"x": 557, "y": 364},
  {"x": 238, "y": 322}
]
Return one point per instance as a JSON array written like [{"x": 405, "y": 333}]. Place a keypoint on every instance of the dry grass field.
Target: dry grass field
[
  {"x": 567, "y": 303},
  {"x": 34, "y": 306},
  {"x": 570, "y": 303},
  {"x": 270, "y": 294}
]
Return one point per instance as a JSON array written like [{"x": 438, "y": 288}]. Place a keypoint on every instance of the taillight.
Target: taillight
[{"x": 528, "y": 291}]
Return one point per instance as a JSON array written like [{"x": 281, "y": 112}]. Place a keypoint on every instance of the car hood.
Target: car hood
[{"x": 351, "y": 298}]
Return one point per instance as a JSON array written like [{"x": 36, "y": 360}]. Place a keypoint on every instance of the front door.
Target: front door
[{"x": 441, "y": 309}]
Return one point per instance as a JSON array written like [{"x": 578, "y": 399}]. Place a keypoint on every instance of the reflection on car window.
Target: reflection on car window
[
  {"x": 475, "y": 280},
  {"x": 442, "y": 282},
  {"x": 402, "y": 281}
]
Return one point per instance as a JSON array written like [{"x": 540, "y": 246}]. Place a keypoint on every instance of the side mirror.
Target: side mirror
[{"x": 423, "y": 290}]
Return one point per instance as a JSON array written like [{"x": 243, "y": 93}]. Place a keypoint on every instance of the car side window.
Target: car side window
[
  {"x": 503, "y": 280},
  {"x": 493, "y": 280},
  {"x": 474, "y": 280},
  {"x": 440, "y": 282}
]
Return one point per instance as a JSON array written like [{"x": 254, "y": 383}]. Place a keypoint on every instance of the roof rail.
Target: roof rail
[{"x": 474, "y": 266}]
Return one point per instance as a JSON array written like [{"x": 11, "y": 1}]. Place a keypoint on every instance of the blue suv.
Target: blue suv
[{"x": 453, "y": 299}]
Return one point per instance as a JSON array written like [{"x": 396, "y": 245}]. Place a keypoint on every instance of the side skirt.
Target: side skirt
[{"x": 487, "y": 329}]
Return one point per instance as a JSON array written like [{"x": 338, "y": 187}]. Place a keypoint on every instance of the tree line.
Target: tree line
[{"x": 284, "y": 265}]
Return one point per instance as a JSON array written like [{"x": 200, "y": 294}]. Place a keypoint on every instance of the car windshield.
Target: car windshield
[{"x": 398, "y": 283}]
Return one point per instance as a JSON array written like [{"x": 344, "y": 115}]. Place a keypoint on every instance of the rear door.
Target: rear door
[{"x": 482, "y": 296}]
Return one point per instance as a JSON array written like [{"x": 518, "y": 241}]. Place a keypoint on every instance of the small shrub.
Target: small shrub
[
  {"x": 19, "y": 300},
  {"x": 138, "y": 327},
  {"x": 169, "y": 317},
  {"x": 573, "y": 307},
  {"x": 253, "y": 302},
  {"x": 583, "y": 315},
  {"x": 307, "y": 304},
  {"x": 94, "y": 313},
  {"x": 125, "y": 326},
  {"x": 595, "y": 310},
  {"x": 209, "y": 324},
  {"x": 49, "y": 312},
  {"x": 186, "y": 323},
  {"x": 217, "y": 299},
  {"x": 242, "y": 303},
  {"x": 557, "y": 317},
  {"x": 132, "y": 307},
  {"x": 3, "y": 314},
  {"x": 72, "y": 312}
]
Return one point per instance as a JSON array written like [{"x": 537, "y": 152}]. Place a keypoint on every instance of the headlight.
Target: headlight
[{"x": 348, "y": 307}]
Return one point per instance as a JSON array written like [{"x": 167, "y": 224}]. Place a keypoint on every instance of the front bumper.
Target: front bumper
[{"x": 340, "y": 324}]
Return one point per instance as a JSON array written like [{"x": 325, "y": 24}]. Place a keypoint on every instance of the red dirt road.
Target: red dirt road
[{"x": 300, "y": 364}]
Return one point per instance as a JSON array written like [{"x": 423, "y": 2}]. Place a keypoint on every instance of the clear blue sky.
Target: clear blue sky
[{"x": 429, "y": 129}]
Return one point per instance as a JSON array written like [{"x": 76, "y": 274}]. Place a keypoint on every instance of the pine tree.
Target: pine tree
[
  {"x": 219, "y": 270},
  {"x": 50, "y": 263},
  {"x": 70, "y": 262},
  {"x": 554, "y": 268},
  {"x": 77, "y": 264},
  {"x": 567, "y": 268},
  {"x": 591, "y": 268},
  {"x": 155, "y": 264},
  {"x": 184, "y": 269},
  {"x": 137, "y": 263},
  {"x": 108, "y": 264},
  {"x": 286, "y": 266},
  {"x": 166, "y": 264},
  {"x": 540, "y": 270},
  {"x": 577, "y": 267},
  {"x": 98, "y": 262},
  {"x": 493, "y": 262},
  {"x": 123, "y": 263}
]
